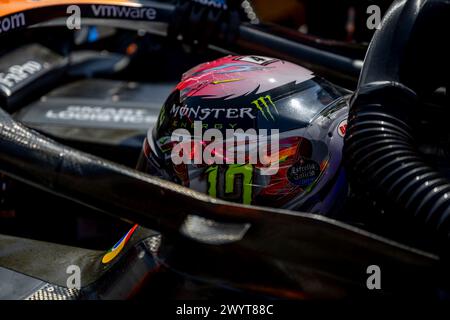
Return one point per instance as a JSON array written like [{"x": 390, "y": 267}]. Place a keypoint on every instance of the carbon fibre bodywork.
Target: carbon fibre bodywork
[{"x": 37, "y": 270}]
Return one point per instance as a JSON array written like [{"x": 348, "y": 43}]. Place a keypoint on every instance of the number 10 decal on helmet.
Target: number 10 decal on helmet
[
  {"x": 228, "y": 180},
  {"x": 287, "y": 114}
]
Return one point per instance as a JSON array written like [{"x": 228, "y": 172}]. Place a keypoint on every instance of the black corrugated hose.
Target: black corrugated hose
[{"x": 380, "y": 152}]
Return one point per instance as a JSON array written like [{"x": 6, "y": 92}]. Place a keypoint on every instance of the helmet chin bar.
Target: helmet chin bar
[{"x": 405, "y": 62}]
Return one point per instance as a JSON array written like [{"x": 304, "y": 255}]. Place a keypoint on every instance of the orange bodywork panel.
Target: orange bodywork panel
[{"x": 8, "y": 7}]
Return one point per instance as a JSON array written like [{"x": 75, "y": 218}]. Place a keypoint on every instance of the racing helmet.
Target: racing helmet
[{"x": 284, "y": 124}]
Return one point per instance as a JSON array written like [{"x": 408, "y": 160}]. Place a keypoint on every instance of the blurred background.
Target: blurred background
[{"x": 343, "y": 20}]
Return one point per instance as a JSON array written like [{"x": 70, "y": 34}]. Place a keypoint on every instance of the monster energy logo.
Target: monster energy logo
[{"x": 265, "y": 106}]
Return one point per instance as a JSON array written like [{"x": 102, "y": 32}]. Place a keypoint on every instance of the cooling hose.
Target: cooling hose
[{"x": 406, "y": 59}]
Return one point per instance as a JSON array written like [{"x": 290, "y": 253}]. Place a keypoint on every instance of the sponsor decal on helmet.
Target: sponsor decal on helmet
[
  {"x": 118, "y": 247},
  {"x": 184, "y": 116},
  {"x": 342, "y": 128},
  {"x": 265, "y": 105},
  {"x": 201, "y": 113},
  {"x": 257, "y": 59},
  {"x": 304, "y": 172}
]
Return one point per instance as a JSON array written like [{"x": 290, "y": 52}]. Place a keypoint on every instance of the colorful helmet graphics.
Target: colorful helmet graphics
[{"x": 297, "y": 117}]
